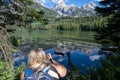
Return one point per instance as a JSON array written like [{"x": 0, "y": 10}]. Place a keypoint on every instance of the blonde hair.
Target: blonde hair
[{"x": 37, "y": 59}]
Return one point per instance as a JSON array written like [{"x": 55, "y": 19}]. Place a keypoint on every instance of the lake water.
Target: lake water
[
  {"x": 81, "y": 45},
  {"x": 50, "y": 39}
]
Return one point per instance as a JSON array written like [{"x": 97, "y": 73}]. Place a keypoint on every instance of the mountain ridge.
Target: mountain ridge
[
  {"x": 48, "y": 13},
  {"x": 90, "y": 6},
  {"x": 72, "y": 10},
  {"x": 61, "y": 9}
]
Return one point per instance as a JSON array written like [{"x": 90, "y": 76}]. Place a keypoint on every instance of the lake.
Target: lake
[
  {"x": 76, "y": 39},
  {"x": 81, "y": 45}
]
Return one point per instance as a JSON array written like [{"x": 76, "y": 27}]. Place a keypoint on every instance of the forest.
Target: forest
[
  {"x": 17, "y": 14},
  {"x": 89, "y": 23}
]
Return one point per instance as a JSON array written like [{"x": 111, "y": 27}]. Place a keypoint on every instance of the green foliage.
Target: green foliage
[
  {"x": 48, "y": 13},
  {"x": 83, "y": 23},
  {"x": 5, "y": 72},
  {"x": 27, "y": 2},
  {"x": 20, "y": 13},
  {"x": 18, "y": 71},
  {"x": 89, "y": 74},
  {"x": 16, "y": 41},
  {"x": 109, "y": 36},
  {"x": 110, "y": 68}
]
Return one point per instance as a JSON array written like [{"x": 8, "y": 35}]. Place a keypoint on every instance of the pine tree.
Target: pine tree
[
  {"x": 19, "y": 12},
  {"x": 109, "y": 35}
]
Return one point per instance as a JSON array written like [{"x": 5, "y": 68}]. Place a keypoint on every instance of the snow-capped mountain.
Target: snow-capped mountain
[
  {"x": 72, "y": 10},
  {"x": 61, "y": 8},
  {"x": 89, "y": 6},
  {"x": 64, "y": 9}
]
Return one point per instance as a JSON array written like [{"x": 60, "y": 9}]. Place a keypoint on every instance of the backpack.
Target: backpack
[{"x": 38, "y": 75}]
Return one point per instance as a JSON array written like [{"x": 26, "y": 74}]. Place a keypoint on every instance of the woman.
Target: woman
[{"x": 37, "y": 60}]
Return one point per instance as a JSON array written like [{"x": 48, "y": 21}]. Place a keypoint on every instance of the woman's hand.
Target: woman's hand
[
  {"x": 49, "y": 56},
  {"x": 22, "y": 76},
  {"x": 60, "y": 68}
]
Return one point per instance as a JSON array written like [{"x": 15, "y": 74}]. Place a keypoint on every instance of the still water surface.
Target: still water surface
[
  {"x": 49, "y": 38},
  {"x": 82, "y": 47}
]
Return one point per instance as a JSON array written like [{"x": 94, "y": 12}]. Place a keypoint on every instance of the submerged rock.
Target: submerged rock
[{"x": 19, "y": 59}]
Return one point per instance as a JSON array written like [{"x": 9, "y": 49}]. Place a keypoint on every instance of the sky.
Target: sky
[{"x": 79, "y": 3}]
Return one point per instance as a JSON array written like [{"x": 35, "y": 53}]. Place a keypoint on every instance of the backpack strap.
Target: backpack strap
[
  {"x": 54, "y": 70},
  {"x": 44, "y": 76},
  {"x": 28, "y": 71},
  {"x": 47, "y": 68}
]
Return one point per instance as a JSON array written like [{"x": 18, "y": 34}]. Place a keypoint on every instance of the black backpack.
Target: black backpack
[{"x": 39, "y": 75}]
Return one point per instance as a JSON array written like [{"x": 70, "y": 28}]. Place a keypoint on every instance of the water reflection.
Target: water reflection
[
  {"x": 69, "y": 48},
  {"x": 77, "y": 58}
]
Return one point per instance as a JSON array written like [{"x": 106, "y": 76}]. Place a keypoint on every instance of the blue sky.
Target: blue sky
[{"x": 79, "y": 3}]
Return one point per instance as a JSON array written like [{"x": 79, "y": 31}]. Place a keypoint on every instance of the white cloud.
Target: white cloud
[
  {"x": 57, "y": 1},
  {"x": 41, "y": 1},
  {"x": 54, "y": 1},
  {"x": 94, "y": 57},
  {"x": 72, "y": 5}
]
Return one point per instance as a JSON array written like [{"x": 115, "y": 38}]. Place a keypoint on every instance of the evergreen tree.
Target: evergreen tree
[
  {"x": 19, "y": 12},
  {"x": 109, "y": 35}
]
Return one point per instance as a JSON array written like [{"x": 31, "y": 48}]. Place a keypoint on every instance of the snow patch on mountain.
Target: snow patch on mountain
[
  {"x": 89, "y": 6},
  {"x": 64, "y": 9},
  {"x": 42, "y": 2},
  {"x": 70, "y": 10}
]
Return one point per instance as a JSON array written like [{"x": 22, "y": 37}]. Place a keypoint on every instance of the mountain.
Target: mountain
[
  {"x": 49, "y": 14},
  {"x": 90, "y": 6},
  {"x": 61, "y": 9},
  {"x": 73, "y": 10},
  {"x": 65, "y": 10}
]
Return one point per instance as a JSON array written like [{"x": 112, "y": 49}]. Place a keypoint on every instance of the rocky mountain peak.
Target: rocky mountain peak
[
  {"x": 65, "y": 10},
  {"x": 60, "y": 7},
  {"x": 71, "y": 10},
  {"x": 89, "y": 6}
]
